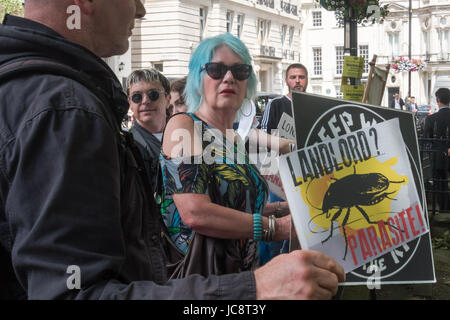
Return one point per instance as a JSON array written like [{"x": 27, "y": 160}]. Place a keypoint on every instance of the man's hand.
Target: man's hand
[{"x": 301, "y": 274}]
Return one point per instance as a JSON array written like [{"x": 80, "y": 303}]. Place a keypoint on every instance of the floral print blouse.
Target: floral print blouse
[{"x": 239, "y": 183}]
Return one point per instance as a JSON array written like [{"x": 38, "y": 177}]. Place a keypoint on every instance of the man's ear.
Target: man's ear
[
  {"x": 168, "y": 97},
  {"x": 86, "y": 6}
]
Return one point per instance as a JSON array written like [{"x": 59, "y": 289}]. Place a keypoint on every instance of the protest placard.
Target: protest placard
[
  {"x": 269, "y": 166},
  {"x": 353, "y": 197},
  {"x": 286, "y": 127},
  {"x": 353, "y": 93},
  {"x": 353, "y": 67},
  {"x": 319, "y": 120}
]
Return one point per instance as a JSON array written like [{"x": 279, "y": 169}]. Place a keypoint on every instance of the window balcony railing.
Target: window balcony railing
[
  {"x": 289, "y": 8},
  {"x": 267, "y": 3},
  {"x": 288, "y": 54},
  {"x": 267, "y": 51},
  {"x": 442, "y": 56}
]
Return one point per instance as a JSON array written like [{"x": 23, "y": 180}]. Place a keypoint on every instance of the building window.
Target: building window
[
  {"x": 317, "y": 89},
  {"x": 426, "y": 40},
  {"x": 364, "y": 53},
  {"x": 239, "y": 25},
  {"x": 317, "y": 18},
  {"x": 229, "y": 18},
  {"x": 393, "y": 45},
  {"x": 203, "y": 15},
  {"x": 339, "y": 94},
  {"x": 317, "y": 61},
  {"x": 158, "y": 66},
  {"x": 267, "y": 3},
  {"x": 291, "y": 36},
  {"x": 339, "y": 60},
  {"x": 283, "y": 35},
  {"x": 263, "y": 31},
  {"x": 443, "y": 45}
]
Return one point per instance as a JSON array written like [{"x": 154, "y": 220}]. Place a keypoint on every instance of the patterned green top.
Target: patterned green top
[{"x": 240, "y": 184}]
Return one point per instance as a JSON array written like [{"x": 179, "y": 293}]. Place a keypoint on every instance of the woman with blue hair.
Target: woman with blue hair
[{"x": 210, "y": 187}]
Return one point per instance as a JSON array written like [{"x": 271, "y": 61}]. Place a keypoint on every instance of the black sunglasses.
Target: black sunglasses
[
  {"x": 218, "y": 70},
  {"x": 152, "y": 94}
]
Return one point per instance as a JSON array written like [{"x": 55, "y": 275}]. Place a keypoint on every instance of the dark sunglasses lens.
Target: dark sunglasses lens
[
  {"x": 216, "y": 70},
  {"x": 153, "y": 95},
  {"x": 241, "y": 71},
  {"x": 136, "y": 98}
]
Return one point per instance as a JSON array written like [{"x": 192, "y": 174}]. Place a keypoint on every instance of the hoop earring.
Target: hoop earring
[{"x": 249, "y": 102}]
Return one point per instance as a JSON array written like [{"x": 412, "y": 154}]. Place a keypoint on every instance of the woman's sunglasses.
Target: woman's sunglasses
[
  {"x": 218, "y": 70},
  {"x": 152, "y": 94}
]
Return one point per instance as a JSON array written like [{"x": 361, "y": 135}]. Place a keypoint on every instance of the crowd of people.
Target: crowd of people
[
  {"x": 435, "y": 132},
  {"x": 399, "y": 103},
  {"x": 172, "y": 208}
]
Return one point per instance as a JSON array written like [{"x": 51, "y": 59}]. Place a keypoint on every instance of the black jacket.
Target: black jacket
[
  {"x": 150, "y": 148},
  {"x": 437, "y": 126},
  {"x": 273, "y": 112},
  {"x": 400, "y": 101},
  {"x": 62, "y": 193}
]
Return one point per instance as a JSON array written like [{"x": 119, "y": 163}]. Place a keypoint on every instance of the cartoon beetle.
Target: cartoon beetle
[{"x": 354, "y": 190}]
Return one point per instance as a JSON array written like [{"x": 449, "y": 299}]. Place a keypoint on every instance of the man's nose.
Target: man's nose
[
  {"x": 140, "y": 10},
  {"x": 145, "y": 98}
]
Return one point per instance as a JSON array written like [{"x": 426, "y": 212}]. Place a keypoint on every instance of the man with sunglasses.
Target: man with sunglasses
[{"x": 148, "y": 96}]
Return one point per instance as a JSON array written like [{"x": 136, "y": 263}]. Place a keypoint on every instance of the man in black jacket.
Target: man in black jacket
[
  {"x": 437, "y": 126},
  {"x": 149, "y": 96},
  {"x": 397, "y": 102},
  {"x": 72, "y": 195},
  {"x": 296, "y": 80}
]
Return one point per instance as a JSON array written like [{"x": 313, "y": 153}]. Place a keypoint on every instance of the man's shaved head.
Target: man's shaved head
[{"x": 104, "y": 25}]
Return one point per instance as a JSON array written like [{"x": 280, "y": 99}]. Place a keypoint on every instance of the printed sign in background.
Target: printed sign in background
[
  {"x": 353, "y": 67},
  {"x": 286, "y": 127},
  {"x": 353, "y": 197},
  {"x": 270, "y": 172},
  {"x": 319, "y": 119}
]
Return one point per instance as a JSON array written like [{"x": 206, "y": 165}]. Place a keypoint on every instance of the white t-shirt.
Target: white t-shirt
[{"x": 158, "y": 136}]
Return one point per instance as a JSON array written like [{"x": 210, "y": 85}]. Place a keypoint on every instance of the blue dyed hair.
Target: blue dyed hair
[{"x": 202, "y": 55}]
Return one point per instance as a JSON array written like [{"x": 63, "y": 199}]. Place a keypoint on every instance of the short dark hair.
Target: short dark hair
[
  {"x": 148, "y": 75},
  {"x": 178, "y": 85},
  {"x": 443, "y": 94},
  {"x": 297, "y": 66}
]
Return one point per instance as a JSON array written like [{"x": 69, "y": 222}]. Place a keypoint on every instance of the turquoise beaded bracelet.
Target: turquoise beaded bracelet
[{"x": 257, "y": 227}]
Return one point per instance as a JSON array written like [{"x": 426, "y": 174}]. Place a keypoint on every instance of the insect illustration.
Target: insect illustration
[{"x": 354, "y": 191}]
